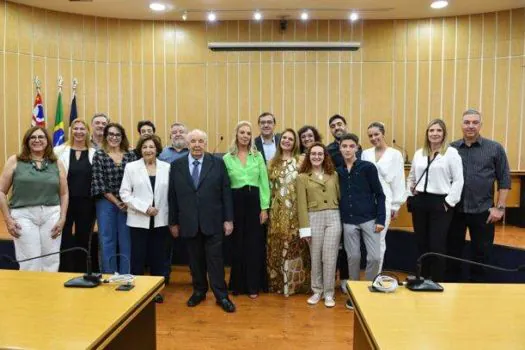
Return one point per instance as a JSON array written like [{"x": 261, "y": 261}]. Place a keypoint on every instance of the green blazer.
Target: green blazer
[{"x": 315, "y": 195}]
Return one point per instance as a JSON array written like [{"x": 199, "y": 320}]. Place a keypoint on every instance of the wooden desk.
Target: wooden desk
[
  {"x": 38, "y": 312},
  {"x": 464, "y": 316}
]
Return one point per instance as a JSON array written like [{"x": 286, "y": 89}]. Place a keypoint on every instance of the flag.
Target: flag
[
  {"x": 74, "y": 113},
  {"x": 38, "y": 112},
  {"x": 58, "y": 135}
]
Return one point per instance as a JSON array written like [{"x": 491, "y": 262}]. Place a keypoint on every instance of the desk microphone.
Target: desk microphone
[
  {"x": 403, "y": 151},
  {"x": 88, "y": 280},
  {"x": 218, "y": 144},
  {"x": 417, "y": 283}
]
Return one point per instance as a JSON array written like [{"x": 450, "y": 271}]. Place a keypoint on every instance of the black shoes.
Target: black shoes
[
  {"x": 159, "y": 299},
  {"x": 196, "y": 299},
  {"x": 226, "y": 305}
]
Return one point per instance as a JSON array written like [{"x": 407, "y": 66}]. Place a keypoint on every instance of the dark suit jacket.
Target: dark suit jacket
[
  {"x": 259, "y": 144},
  {"x": 204, "y": 208}
]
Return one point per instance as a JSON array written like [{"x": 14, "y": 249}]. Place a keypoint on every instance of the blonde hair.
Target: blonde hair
[
  {"x": 444, "y": 144},
  {"x": 234, "y": 147},
  {"x": 86, "y": 141}
]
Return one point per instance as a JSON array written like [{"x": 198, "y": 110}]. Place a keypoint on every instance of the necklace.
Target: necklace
[{"x": 43, "y": 164}]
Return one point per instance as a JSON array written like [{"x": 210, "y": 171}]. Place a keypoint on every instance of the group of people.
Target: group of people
[{"x": 286, "y": 201}]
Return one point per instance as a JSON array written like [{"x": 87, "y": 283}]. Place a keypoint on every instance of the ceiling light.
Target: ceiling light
[
  {"x": 157, "y": 6},
  {"x": 304, "y": 15},
  {"x": 257, "y": 16},
  {"x": 185, "y": 16},
  {"x": 212, "y": 17},
  {"x": 353, "y": 16},
  {"x": 439, "y": 4}
]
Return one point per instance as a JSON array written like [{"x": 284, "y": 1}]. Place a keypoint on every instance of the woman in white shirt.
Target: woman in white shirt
[
  {"x": 390, "y": 168},
  {"x": 144, "y": 189},
  {"x": 436, "y": 182}
]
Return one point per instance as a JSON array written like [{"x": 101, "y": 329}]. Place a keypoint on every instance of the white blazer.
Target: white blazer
[
  {"x": 63, "y": 153},
  {"x": 137, "y": 193}
]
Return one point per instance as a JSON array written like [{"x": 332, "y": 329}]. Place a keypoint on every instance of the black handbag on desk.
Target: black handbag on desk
[{"x": 411, "y": 199}]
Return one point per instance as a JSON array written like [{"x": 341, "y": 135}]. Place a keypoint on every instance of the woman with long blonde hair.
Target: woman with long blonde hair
[{"x": 251, "y": 200}]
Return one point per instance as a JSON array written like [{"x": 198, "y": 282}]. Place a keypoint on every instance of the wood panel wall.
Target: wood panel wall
[{"x": 406, "y": 73}]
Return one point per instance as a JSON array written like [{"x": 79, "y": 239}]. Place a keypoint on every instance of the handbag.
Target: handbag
[{"x": 411, "y": 199}]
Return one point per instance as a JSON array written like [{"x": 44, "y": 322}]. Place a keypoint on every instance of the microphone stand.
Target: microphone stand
[
  {"x": 88, "y": 280},
  {"x": 418, "y": 284},
  {"x": 403, "y": 152}
]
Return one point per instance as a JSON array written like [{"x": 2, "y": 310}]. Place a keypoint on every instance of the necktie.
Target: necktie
[{"x": 195, "y": 173}]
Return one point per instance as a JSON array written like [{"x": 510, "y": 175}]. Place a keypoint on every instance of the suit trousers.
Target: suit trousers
[
  {"x": 81, "y": 214},
  {"x": 205, "y": 257},
  {"x": 248, "y": 242},
  {"x": 372, "y": 240},
  {"x": 481, "y": 243},
  {"x": 35, "y": 237},
  {"x": 431, "y": 223},
  {"x": 148, "y": 247},
  {"x": 324, "y": 246}
]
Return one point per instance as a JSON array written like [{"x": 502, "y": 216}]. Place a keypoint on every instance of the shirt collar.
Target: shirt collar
[
  {"x": 479, "y": 141},
  {"x": 264, "y": 142},
  {"x": 191, "y": 159},
  {"x": 182, "y": 150}
]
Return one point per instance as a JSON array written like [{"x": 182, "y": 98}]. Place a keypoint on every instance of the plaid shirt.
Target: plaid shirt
[{"x": 107, "y": 176}]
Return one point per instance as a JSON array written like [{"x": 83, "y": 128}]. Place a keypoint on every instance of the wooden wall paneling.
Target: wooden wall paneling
[
  {"x": 191, "y": 97},
  {"x": 400, "y": 28},
  {"x": 12, "y": 27},
  {"x": 452, "y": 121},
  {"x": 266, "y": 35},
  {"x": 149, "y": 111},
  {"x": 171, "y": 97},
  {"x": 412, "y": 40},
  {"x": 352, "y": 119},
  {"x": 277, "y": 89},
  {"x": 513, "y": 119},
  {"x": 126, "y": 98},
  {"x": 500, "y": 100},
  {"x": 13, "y": 125},
  {"x": 412, "y": 143},
  {"x": 399, "y": 110},
  {"x": 449, "y": 36},
  {"x": 266, "y": 87},
  {"x": 224, "y": 126},
  {"x": 300, "y": 94},
  {"x": 489, "y": 34},
  {"x": 170, "y": 42},
  {"x": 232, "y": 34},
  {"x": 114, "y": 45},
  {"x": 312, "y": 34},
  {"x": 77, "y": 68},
  {"x": 522, "y": 115},
  {"x": 463, "y": 37},
  {"x": 517, "y": 31},
  {"x": 26, "y": 95},
  {"x": 244, "y": 92},
  {"x": 90, "y": 90},
  {"x": 323, "y": 109},
  {"x": 255, "y": 34},
  {"x": 424, "y": 114},
  {"x": 378, "y": 40},
  {"x": 159, "y": 97},
  {"x": 243, "y": 36},
  {"x": 89, "y": 39},
  {"x": 323, "y": 34},
  {"x": 3, "y": 9},
  {"x": 66, "y": 28},
  {"x": 3, "y": 109},
  {"x": 103, "y": 97},
  {"x": 472, "y": 99},
  {"x": 460, "y": 95},
  {"x": 137, "y": 99},
  {"x": 276, "y": 35},
  {"x": 310, "y": 115},
  {"x": 288, "y": 35},
  {"x": 476, "y": 36},
  {"x": 334, "y": 89},
  {"x": 435, "y": 84},
  {"x": 75, "y": 34},
  {"x": 101, "y": 30},
  {"x": 424, "y": 39},
  {"x": 124, "y": 41},
  {"x": 255, "y": 71},
  {"x": 148, "y": 42},
  {"x": 503, "y": 33},
  {"x": 487, "y": 100},
  {"x": 115, "y": 92},
  {"x": 300, "y": 34},
  {"x": 211, "y": 107},
  {"x": 436, "y": 45},
  {"x": 51, "y": 84},
  {"x": 377, "y": 106},
  {"x": 289, "y": 116},
  {"x": 232, "y": 95},
  {"x": 64, "y": 69},
  {"x": 335, "y": 33},
  {"x": 136, "y": 33},
  {"x": 25, "y": 32}
]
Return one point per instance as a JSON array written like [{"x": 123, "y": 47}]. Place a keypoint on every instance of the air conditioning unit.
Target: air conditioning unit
[{"x": 285, "y": 46}]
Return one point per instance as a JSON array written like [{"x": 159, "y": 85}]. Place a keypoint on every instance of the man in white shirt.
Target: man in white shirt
[{"x": 267, "y": 141}]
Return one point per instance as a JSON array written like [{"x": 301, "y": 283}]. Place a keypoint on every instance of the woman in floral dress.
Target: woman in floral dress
[{"x": 288, "y": 258}]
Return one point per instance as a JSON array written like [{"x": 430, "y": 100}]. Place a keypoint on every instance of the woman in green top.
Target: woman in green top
[
  {"x": 251, "y": 200},
  {"x": 37, "y": 208}
]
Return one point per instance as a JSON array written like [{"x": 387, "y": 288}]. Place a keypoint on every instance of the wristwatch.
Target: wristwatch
[{"x": 500, "y": 208}]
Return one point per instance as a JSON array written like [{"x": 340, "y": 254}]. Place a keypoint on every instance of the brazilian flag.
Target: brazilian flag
[{"x": 58, "y": 134}]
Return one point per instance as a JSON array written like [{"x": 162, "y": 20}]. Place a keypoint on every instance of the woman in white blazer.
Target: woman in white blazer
[
  {"x": 390, "y": 168},
  {"x": 144, "y": 189},
  {"x": 77, "y": 157}
]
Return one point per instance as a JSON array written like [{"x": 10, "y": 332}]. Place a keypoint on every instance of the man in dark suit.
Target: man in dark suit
[
  {"x": 267, "y": 142},
  {"x": 201, "y": 212}
]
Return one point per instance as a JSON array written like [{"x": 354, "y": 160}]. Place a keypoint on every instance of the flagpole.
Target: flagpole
[{"x": 38, "y": 116}]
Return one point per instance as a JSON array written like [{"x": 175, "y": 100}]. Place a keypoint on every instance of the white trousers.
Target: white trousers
[
  {"x": 388, "y": 210},
  {"x": 35, "y": 237}
]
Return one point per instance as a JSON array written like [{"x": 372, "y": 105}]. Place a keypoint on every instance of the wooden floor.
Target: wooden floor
[{"x": 268, "y": 322}]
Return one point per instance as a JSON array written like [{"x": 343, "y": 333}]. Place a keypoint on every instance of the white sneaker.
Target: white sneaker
[
  {"x": 329, "y": 302},
  {"x": 314, "y": 299},
  {"x": 343, "y": 287}
]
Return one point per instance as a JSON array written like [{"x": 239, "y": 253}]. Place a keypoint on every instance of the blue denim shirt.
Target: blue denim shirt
[{"x": 362, "y": 197}]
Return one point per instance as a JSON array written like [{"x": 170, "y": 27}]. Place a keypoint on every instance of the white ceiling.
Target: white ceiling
[{"x": 273, "y": 9}]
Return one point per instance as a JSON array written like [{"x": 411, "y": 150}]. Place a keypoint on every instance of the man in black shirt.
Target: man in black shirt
[{"x": 484, "y": 162}]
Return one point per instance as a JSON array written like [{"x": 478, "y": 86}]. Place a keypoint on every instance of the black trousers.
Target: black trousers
[
  {"x": 481, "y": 243},
  {"x": 248, "y": 243},
  {"x": 205, "y": 257},
  {"x": 81, "y": 214},
  {"x": 431, "y": 224},
  {"x": 167, "y": 260},
  {"x": 342, "y": 261},
  {"x": 148, "y": 247}
]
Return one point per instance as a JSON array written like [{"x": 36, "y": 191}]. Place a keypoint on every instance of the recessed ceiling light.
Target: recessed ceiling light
[
  {"x": 257, "y": 16},
  {"x": 185, "y": 16},
  {"x": 157, "y": 6},
  {"x": 212, "y": 17},
  {"x": 304, "y": 15},
  {"x": 439, "y": 4},
  {"x": 353, "y": 16}
]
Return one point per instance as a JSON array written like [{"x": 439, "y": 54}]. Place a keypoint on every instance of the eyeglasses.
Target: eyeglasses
[
  {"x": 37, "y": 137},
  {"x": 117, "y": 136}
]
